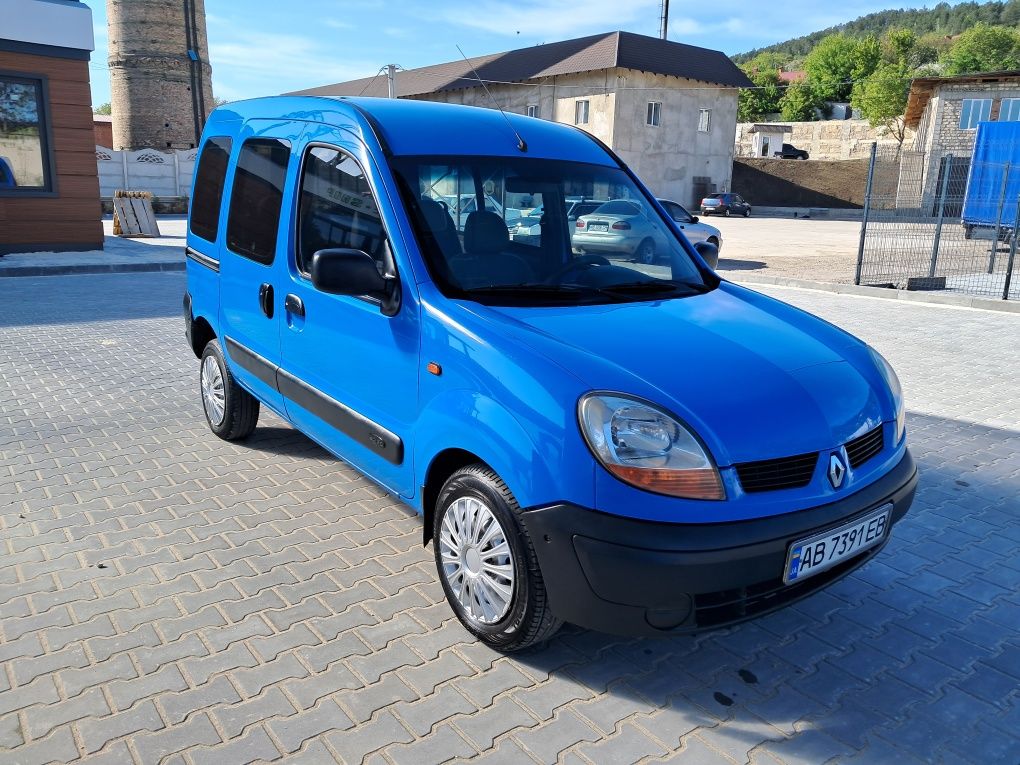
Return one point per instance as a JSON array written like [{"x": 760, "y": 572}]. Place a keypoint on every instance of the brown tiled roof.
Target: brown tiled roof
[
  {"x": 923, "y": 88},
  {"x": 585, "y": 54}
]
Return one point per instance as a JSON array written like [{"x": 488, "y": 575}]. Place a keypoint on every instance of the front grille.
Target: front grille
[
  {"x": 782, "y": 473},
  {"x": 863, "y": 448}
]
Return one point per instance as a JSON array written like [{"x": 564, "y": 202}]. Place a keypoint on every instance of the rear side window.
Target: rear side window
[
  {"x": 256, "y": 198},
  {"x": 209, "y": 179},
  {"x": 337, "y": 209}
]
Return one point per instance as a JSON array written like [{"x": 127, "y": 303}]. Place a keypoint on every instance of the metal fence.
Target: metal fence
[{"x": 940, "y": 221}]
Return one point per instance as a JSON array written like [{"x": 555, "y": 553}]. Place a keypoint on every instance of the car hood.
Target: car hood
[{"x": 757, "y": 379}]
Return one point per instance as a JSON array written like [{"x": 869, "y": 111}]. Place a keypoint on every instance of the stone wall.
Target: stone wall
[
  {"x": 825, "y": 139},
  {"x": 156, "y": 101}
]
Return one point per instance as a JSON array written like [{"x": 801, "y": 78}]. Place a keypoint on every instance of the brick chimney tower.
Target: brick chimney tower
[{"x": 159, "y": 71}]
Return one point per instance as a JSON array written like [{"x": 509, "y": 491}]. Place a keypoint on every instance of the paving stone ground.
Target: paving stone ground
[{"x": 168, "y": 597}]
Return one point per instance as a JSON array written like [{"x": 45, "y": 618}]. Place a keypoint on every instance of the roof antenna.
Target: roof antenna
[{"x": 522, "y": 145}]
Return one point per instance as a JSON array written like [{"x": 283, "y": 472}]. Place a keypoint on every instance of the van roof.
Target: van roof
[{"x": 409, "y": 127}]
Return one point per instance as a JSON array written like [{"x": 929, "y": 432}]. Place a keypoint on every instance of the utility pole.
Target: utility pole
[
  {"x": 391, "y": 78},
  {"x": 664, "y": 20}
]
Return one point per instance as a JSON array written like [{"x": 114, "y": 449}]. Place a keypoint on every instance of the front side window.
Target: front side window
[
  {"x": 337, "y": 209},
  {"x": 581, "y": 112},
  {"x": 24, "y": 153},
  {"x": 704, "y": 120},
  {"x": 973, "y": 111},
  {"x": 1009, "y": 110},
  {"x": 654, "y": 114},
  {"x": 618, "y": 249},
  {"x": 209, "y": 180},
  {"x": 256, "y": 198}
]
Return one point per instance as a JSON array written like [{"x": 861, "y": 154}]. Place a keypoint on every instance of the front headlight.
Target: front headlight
[
  {"x": 889, "y": 375},
  {"x": 647, "y": 447}
]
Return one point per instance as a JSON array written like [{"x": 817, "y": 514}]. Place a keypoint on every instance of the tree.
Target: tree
[
  {"x": 103, "y": 109},
  {"x": 800, "y": 103},
  {"x": 754, "y": 103},
  {"x": 984, "y": 48},
  {"x": 882, "y": 97},
  {"x": 217, "y": 101},
  {"x": 838, "y": 61}
]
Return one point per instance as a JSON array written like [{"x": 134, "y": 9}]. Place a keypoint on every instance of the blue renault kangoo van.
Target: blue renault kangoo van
[{"x": 608, "y": 435}]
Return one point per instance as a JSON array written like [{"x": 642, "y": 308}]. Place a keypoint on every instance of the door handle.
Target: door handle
[
  {"x": 266, "y": 299},
  {"x": 293, "y": 304}
]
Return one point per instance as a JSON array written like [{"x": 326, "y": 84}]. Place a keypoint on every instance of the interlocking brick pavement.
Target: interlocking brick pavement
[{"x": 168, "y": 597}]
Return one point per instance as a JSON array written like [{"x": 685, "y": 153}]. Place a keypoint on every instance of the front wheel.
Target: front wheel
[
  {"x": 231, "y": 411},
  {"x": 487, "y": 563},
  {"x": 747, "y": 212},
  {"x": 727, "y": 213}
]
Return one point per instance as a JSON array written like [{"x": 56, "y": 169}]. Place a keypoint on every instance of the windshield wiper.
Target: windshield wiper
[
  {"x": 651, "y": 288},
  {"x": 530, "y": 288}
]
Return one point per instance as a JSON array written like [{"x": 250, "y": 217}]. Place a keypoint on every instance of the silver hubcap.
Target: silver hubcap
[
  {"x": 476, "y": 560},
  {"x": 213, "y": 396}
]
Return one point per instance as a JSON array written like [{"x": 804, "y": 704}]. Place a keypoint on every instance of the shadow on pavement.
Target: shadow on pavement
[{"x": 733, "y": 264}]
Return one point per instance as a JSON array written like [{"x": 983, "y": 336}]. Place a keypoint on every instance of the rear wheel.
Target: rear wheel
[
  {"x": 645, "y": 252},
  {"x": 727, "y": 212},
  {"x": 747, "y": 212},
  {"x": 231, "y": 411},
  {"x": 487, "y": 563}
]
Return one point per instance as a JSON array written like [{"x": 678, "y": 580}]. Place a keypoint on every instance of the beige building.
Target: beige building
[
  {"x": 944, "y": 112},
  {"x": 668, "y": 109}
]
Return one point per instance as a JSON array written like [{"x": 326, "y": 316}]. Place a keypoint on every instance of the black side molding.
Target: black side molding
[
  {"x": 369, "y": 434},
  {"x": 202, "y": 260},
  {"x": 250, "y": 361}
]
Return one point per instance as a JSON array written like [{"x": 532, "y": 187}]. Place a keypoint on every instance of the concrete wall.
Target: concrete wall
[
  {"x": 165, "y": 174},
  {"x": 825, "y": 139},
  {"x": 666, "y": 158},
  {"x": 151, "y": 80}
]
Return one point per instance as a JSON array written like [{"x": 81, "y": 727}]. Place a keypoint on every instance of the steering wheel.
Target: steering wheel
[{"x": 577, "y": 263}]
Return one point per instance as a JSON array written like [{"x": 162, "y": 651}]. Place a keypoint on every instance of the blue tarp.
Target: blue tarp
[{"x": 996, "y": 154}]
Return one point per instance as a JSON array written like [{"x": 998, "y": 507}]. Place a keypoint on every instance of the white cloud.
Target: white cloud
[
  {"x": 248, "y": 62},
  {"x": 564, "y": 19}
]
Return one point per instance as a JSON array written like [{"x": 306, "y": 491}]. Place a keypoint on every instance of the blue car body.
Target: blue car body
[{"x": 754, "y": 378}]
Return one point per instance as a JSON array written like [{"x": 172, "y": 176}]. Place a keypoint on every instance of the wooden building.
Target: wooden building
[{"x": 49, "y": 183}]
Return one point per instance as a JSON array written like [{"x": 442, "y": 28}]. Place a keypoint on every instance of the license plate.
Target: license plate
[
  {"x": 598, "y": 227},
  {"x": 814, "y": 555}
]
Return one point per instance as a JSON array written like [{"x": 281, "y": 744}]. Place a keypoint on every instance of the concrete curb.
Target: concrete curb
[
  {"x": 932, "y": 298},
  {"x": 91, "y": 268}
]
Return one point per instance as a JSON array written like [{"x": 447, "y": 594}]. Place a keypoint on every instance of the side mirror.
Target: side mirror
[
  {"x": 695, "y": 219},
  {"x": 709, "y": 253},
  {"x": 346, "y": 272}
]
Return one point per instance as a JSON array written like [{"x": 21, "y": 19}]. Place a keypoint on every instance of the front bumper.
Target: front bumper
[{"x": 632, "y": 577}]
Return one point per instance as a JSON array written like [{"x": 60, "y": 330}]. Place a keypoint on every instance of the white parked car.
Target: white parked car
[{"x": 693, "y": 228}]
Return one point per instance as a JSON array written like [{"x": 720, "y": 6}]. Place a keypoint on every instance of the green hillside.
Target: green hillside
[{"x": 943, "y": 19}]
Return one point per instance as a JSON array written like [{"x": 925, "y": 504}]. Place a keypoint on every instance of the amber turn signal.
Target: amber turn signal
[
  {"x": 699, "y": 483},
  {"x": 434, "y": 368}
]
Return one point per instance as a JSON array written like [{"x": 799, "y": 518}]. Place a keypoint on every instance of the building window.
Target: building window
[
  {"x": 532, "y": 110},
  {"x": 581, "y": 112},
  {"x": 704, "y": 120},
  {"x": 209, "y": 181},
  {"x": 1009, "y": 110},
  {"x": 973, "y": 111},
  {"x": 654, "y": 115},
  {"x": 256, "y": 198},
  {"x": 24, "y": 148}
]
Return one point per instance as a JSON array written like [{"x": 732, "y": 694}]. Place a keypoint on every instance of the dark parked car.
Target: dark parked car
[
  {"x": 7, "y": 180},
  {"x": 791, "y": 152},
  {"x": 725, "y": 204}
]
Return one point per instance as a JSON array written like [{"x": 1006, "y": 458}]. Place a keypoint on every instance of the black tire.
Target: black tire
[
  {"x": 240, "y": 408},
  {"x": 727, "y": 212},
  {"x": 747, "y": 212},
  {"x": 527, "y": 619},
  {"x": 645, "y": 252}
]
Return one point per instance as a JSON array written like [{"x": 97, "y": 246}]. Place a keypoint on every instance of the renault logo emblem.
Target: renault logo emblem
[{"x": 837, "y": 471}]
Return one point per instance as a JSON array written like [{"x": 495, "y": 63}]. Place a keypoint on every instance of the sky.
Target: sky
[{"x": 259, "y": 47}]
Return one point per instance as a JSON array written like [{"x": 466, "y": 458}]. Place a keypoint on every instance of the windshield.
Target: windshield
[{"x": 529, "y": 248}]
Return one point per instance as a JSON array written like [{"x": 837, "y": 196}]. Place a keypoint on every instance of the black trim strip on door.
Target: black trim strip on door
[
  {"x": 369, "y": 434},
  {"x": 203, "y": 260},
  {"x": 250, "y": 361}
]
